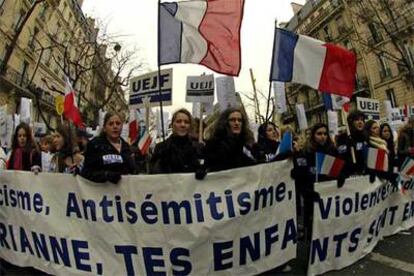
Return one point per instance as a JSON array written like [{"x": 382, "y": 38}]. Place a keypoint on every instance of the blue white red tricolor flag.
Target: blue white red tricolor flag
[
  {"x": 305, "y": 60},
  {"x": 377, "y": 159},
  {"x": 70, "y": 107},
  {"x": 328, "y": 165},
  {"x": 144, "y": 142},
  {"x": 204, "y": 32},
  {"x": 407, "y": 168},
  {"x": 334, "y": 102}
]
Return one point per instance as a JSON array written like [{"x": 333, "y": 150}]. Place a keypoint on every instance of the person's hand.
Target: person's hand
[
  {"x": 36, "y": 169},
  {"x": 113, "y": 177}
]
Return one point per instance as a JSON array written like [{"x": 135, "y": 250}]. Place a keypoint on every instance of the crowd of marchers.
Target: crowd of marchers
[{"x": 230, "y": 144}]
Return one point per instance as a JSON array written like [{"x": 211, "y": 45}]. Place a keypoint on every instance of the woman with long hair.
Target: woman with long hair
[
  {"x": 25, "y": 155},
  {"x": 231, "y": 141},
  {"x": 388, "y": 136},
  {"x": 180, "y": 153},
  {"x": 406, "y": 142},
  {"x": 67, "y": 157},
  {"x": 267, "y": 141},
  {"x": 108, "y": 156}
]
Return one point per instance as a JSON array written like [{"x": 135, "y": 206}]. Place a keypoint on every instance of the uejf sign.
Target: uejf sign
[
  {"x": 147, "y": 85},
  {"x": 370, "y": 107},
  {"x": 200, "y": 89}
]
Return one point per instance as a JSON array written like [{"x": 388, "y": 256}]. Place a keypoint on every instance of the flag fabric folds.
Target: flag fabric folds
[
  {"x": 70, "y": 107},
  {"x": 407, "y": 168},
  {"x": 328, "y": 165},
  {"x": 377, "y": 159},
  {"x": 204, "y": 32},
  {"x": 305, "y": 60},
  {"x": 144, "y": 142},
  {"x": 334, "y": 102}
]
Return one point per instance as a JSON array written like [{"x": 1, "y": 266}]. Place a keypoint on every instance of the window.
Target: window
[
  {"x": 46, "y": 56},
  {"x": 43, "y": 11},
  {"x": 409, "y": 53},
  {"x": 326, "y": 34},
  {"x": 19, "y": 19},
  {"x": 385, "y": 68},
  {"x": 376, "y": 35},
  {"x": 391, "y": 97},
  {"x": 25, "y": 73},
  {"x": 32, "y": 40}
]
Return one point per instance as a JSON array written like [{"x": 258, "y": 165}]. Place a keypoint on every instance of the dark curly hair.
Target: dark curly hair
[
  {"x": 261, "y": 131},
  {"x": 312, "y": 145},
  {"x": 30, "y": 143},
  {"x": 222, "y": 128}
]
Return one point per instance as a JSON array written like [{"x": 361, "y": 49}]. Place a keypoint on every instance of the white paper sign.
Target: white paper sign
[
  {"x": 332, "y": 123},
  {"x": 200, "y": 89},
  {"x": 388, "y": 110},
  {"x": 370, "y": 107},
  {"x": 101, "y": 117},
  {"x": 226, "y": 92},
  {"x": 3, "y": 121},
  {"x": 25, "y": 110},
  {"x": 280, "y": 96},
  {"x": 302, "y": 121}
]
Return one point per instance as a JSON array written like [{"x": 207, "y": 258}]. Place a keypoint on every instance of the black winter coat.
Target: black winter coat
[
  {"x": 29, "y": 159},
  {"x": 345, "y": 144},
  {"x": 176, "y": 155},
  {"x": 263, "y": 148},
  {"x": 228, "y": 153},
  {"x": 101, "y": 157}
]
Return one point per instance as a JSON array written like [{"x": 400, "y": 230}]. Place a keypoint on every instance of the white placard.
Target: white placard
[
  {"x": 302, "y": 121},
  {"x": 280, "y": 96},
  {"x": 332, "y": 122},
  {"x": 370, "y": 107},
  {"x": 25, "y": 110},
  {"x": 226, "y": 92},
  {"x": 200, "y": 89}
]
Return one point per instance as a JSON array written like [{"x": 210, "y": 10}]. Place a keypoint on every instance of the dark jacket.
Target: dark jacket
[
  {"x": 228, "y": 153},
  {"x": 30, "y": 158},
  {"x": 263, "y": 148},
  {"x": 405, "y": 144},
  {"x": 358, "y": 142},
  {"x": 176, "y": 155},
  {"x": 101, "y": 157}
]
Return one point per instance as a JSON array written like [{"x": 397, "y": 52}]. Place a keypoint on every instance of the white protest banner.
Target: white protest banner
[
  {"x": 226, "y": 92},
  {"x": 280, "y": 96},
  {"x": 370, "y": 107},
  {"x": 302, "y": 121},
  {"x": 348, "y": 222},
  {"x": 388, "y": 110},
  {"x": 332, "y": 122},
  {"x": 200, "y": 89},
  {"x": 167, "y": 223},
  {"x": 148, "y": 86},
  {"x": 25, "y": 110}
]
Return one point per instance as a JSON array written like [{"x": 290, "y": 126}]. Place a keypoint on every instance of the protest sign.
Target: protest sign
[
  {"x": 226, "y": 92},
  {"x": 239, "y": 222},
  {"x": 147, "y": 86},
  {"x": 349, "y": 222},
  {"x": 370, "y": 107},
  {"x": 200, "y": 89}
]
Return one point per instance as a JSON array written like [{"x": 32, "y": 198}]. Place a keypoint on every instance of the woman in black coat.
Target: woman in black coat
[
  {"x": 180, "y": 153},
  {"x": 267, "y": 142},
  {"x": 108, "y": 156},
  {"x": 230, "y": 145}
]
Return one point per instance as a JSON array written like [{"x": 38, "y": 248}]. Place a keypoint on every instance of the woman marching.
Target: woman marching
[
  {"x": 108, "y": 156},
  {"x": 67, "y": 158},
  {"x": 267, "y": 141},
  {"x": 180, "y": 153},
  {"x": 24, "y": 156}
]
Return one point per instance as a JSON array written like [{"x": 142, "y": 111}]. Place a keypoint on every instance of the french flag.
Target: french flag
[
  {"x": 204, "y": 32},
  {"x": 334, "y": 102},
  {"x": 144, "y": 142},
  {"x": 70, "y": 107},
  {"x": 305, "y": 60},
  {"x": 407, "y": 167},
  {"x": 328, "y": 165},
  {"x": 377, "y": 159}
]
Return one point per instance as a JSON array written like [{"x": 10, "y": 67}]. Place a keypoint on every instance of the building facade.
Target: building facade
[
  {"x": 380, "y": 32},
  {"x": 50, "y": 40}
]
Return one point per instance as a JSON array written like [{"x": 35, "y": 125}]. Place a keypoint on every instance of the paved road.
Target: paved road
[{"x": 393, "y": 255}]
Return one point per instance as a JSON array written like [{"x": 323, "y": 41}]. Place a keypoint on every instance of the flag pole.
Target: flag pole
[
  {"x": 159, "y": 68},
  {"x": 200, "y": 126},
  {"x": 270, "y": 90}
]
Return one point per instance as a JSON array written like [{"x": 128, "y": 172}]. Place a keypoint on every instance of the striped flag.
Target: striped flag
[
  {"x": 377, "y": 159},
  {"x": 407, "y": 168},
  {"x": 144, "y": 142},
  {"x": 328, "y": 165}
]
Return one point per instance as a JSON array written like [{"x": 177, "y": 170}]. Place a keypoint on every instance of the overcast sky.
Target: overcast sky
[{"x": 137, "y": 20}]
